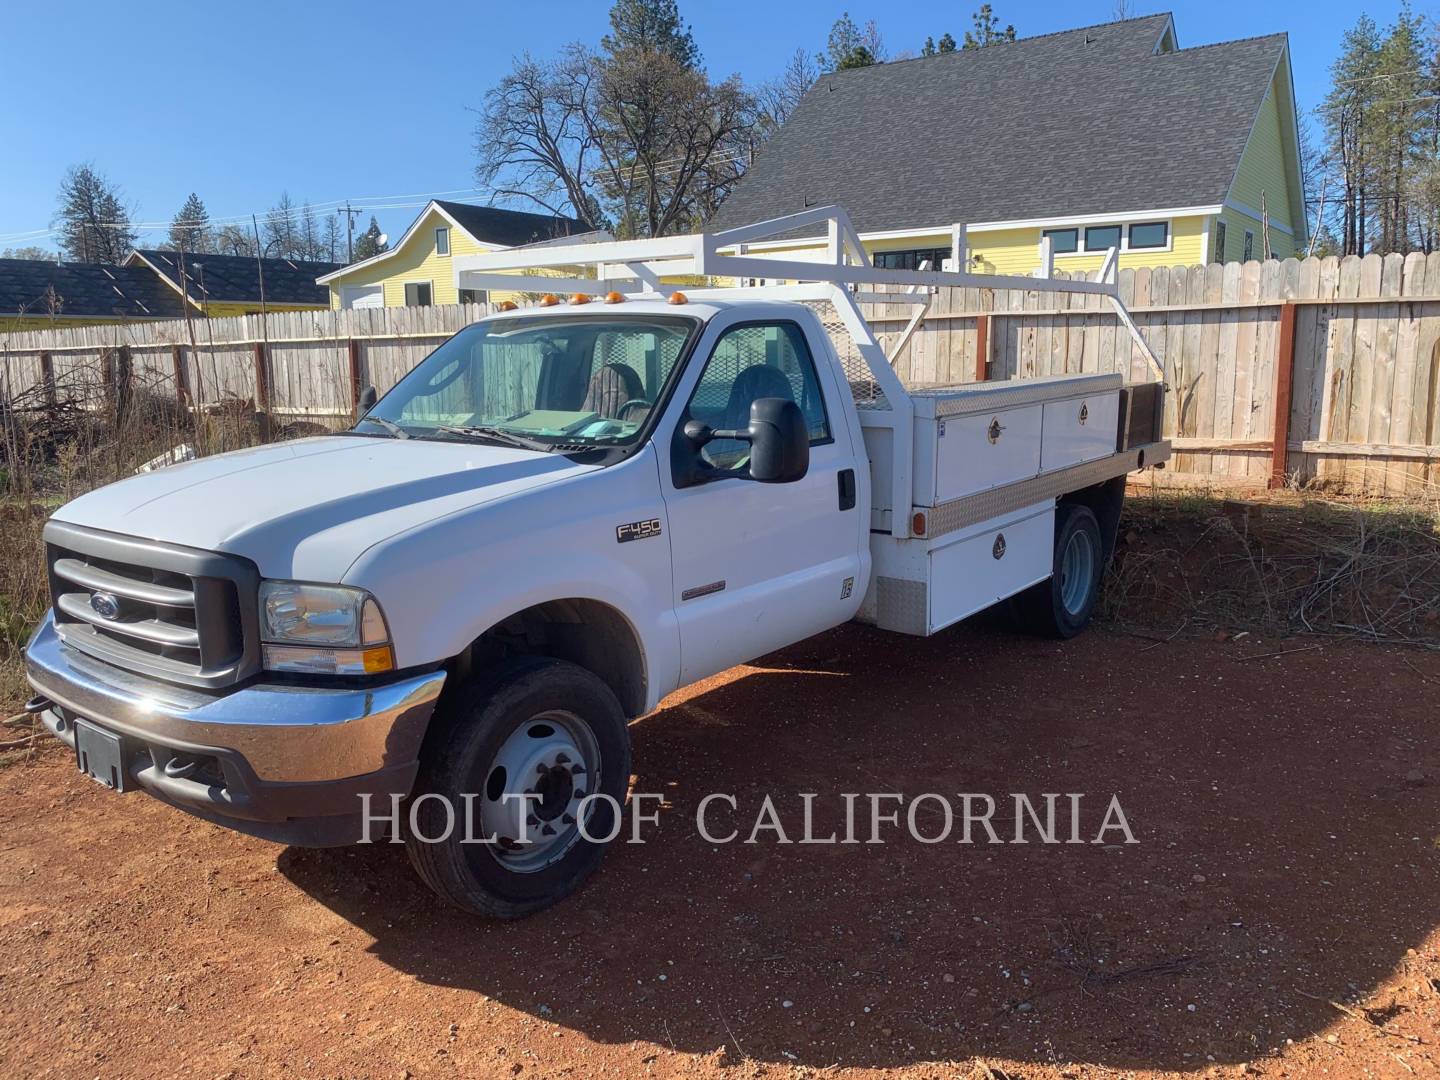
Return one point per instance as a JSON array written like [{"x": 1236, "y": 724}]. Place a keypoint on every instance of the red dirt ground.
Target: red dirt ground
[{"x": 1289, "y": 857}]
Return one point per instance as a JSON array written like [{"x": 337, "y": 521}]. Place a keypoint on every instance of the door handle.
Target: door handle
[{"x": 846, "y": 479}]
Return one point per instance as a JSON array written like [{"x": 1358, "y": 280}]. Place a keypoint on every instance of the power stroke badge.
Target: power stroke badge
[{"x": 637, "y": 530}]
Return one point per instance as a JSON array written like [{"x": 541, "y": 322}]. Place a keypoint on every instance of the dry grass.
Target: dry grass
[{"x": 1293, "y": 562}]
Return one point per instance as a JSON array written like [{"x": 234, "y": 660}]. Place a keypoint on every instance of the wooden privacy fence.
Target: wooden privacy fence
[
  {"x": 299, "y": 364},
  {"x": 1321, "y": 369},
  {"x": 1315, "y": 370}
]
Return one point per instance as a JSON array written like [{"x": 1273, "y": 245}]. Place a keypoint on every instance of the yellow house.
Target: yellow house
[
  {"x": 222, "y": 285},
  {"x": 416, "y": 272},
  {"x": 1110, "y": 136}
]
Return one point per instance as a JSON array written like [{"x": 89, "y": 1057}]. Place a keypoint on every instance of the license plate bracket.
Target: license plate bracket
[{"x": 100, "y": 755}]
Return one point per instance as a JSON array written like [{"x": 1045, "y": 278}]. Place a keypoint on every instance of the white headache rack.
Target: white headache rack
[{"x": 637, "y": 269}]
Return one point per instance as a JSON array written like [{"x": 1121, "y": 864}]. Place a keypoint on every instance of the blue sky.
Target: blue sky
[{"x": 362, "y": 100}]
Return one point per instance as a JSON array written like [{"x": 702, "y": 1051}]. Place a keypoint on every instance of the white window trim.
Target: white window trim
[
  {"x": 1125, "y": 248},
  {"x": 425, "y": 281},
  {"x": 446, "y": 230}
]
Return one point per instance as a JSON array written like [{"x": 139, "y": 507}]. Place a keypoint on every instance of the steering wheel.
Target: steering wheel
[{"x": 633, "y": 403}]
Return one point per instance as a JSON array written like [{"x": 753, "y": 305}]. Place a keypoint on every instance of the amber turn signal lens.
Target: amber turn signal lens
[
  {"x": 580, "y": 298},
  {"x": 614, "y": 298},
  {"x": 506, "y": 305},
  {"x": 679, "y": 298},
  {"x": 549, "y": 300}
]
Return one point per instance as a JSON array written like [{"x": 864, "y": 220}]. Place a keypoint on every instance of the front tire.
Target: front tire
[
  {"x": 527, "y": 744},
  {"x": 1062, "y": 606}
]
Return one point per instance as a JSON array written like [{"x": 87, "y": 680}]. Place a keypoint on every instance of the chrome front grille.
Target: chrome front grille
[{"x": 171, "y": 612}]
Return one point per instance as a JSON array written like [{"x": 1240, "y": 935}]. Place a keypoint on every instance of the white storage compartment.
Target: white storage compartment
[
  {"x": 972, "y": 438},
  {"x": 971, "y": 574},
  {"x": 920, "y": 586},
  {"x": 1079, "y": 429},
  {"x": 966, "y": 454}
]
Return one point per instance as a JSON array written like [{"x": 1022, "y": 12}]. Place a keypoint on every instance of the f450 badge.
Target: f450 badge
[{"x": 637, "y": 530}]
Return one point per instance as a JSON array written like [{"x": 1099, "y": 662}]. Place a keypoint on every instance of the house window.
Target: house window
[
  {"x": 1151, "y": 234},
  {"x": 1063, "y": 241},
  {"x": 474, "y": 296},
  {"x": 910, "y": 260},
  {"x": 1249, "y": 245},
  {"x": 442, "y": 241},
  {"x": 417, "y": 294},
  {"x": 1220, "y": 241},
  {"x": 1102, "y": 237}
]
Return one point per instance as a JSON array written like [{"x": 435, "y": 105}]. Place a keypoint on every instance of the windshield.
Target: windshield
[{"x": 541, "y": 382}]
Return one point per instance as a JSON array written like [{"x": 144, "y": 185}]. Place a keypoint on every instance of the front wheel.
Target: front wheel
[
  {"x": 1061, "y": 607},
  {"x": 505, "y": 787}
]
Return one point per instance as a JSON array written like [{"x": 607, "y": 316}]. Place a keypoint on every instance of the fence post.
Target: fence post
[
  {"x": 982, "y": 347},
  {"x": 124, "y": 381},
  {"x": 182, "y": 383},
  {"x": 262, "y": 378},
  {"x": 47, "y": 378},
  {"x": 1284, "y": 383},
  {"x": 352, "y": 347}
]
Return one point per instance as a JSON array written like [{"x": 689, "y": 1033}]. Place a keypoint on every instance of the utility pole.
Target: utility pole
[{"x": 349, "y": 212}]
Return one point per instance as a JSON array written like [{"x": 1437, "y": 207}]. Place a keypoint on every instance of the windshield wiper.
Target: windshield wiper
[
  {"x": 497, "y": 434},
  {"x": 389, "y": 425}
]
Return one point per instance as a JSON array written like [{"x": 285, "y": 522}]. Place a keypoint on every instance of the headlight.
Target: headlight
[{"x": 328, "y": 629}]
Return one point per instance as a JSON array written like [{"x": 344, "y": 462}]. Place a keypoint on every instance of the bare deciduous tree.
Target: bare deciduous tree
[
  {"x": 779, "y": 97},
  {"x": 538, "y": 131}
]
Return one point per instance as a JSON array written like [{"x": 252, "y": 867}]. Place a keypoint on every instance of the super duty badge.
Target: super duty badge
[{"x": 637, "y": 530}]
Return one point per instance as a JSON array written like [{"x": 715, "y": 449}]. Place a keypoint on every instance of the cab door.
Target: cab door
[{"x": 759, "y": 565}]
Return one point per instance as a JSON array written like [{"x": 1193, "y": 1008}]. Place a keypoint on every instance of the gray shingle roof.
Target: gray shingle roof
[
  {"x": 510, "y": 227},
  {"x": 236, "y": 278},
  {"x": 84, "y": 290},
  {"x": 1080, "y": 122}
]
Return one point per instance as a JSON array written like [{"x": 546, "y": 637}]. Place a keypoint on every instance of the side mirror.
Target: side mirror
[
  {"x": 368, "y": 398},
  {"x": 779, "y": 440}
]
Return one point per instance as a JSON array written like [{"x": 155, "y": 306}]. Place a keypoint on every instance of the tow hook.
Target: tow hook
[{"x": 38, "y": 704}]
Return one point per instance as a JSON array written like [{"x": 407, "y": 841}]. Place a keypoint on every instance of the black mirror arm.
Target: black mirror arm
[{"x": 699, "y": 433}]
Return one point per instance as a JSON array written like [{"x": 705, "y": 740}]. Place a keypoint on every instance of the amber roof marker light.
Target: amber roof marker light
[
  {"x": 549, "y": 300},
  {"x": 678, "y": 298},
  {"x": 613, "y": 297},
  {"x": 580, "y": 298},
  {"x": 506, "y": 305}
]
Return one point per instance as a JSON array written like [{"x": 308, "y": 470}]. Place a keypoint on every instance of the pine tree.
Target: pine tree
[
  {"x": 190, "y": 228},
  {"x": 1348, "y": 113},
  {"x": 654, "y": 26},
  {"x": 94, "y": 224},
  {"x": 987, "y": 30},
  {"x": 369, "y": 243},
  {"x": 947, "y": 43},
  {"x": 848, "y": 46},
  {"x": 928, "y": 49}
]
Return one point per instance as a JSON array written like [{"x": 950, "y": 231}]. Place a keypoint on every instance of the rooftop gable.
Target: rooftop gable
[
  {"x": 237, "y": 278},
  {"x": 1097, "y": 120}
]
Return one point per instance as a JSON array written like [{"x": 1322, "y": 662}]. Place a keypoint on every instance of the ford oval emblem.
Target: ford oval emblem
[{"x": 106, "y": 605}]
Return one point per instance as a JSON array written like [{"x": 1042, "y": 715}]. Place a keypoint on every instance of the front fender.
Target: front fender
[{"x": 444, "y": 584}]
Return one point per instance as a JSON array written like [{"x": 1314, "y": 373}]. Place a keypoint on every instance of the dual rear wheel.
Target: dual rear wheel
[{"x": 1062, "y": 606}]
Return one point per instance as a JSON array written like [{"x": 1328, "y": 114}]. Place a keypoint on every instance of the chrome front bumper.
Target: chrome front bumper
[{"x": 268, "y": 753}]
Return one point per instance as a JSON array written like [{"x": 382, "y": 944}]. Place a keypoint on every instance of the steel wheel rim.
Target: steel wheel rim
[
  {"x": 555, "y": 758},
  {"x": 1077, "y": 572}
]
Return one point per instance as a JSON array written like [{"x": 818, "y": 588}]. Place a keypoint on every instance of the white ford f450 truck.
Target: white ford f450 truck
[{"x": 569, "y": 510}]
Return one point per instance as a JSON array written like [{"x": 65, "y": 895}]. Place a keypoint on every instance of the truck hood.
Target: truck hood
[{"x": 307, "y": 509}]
